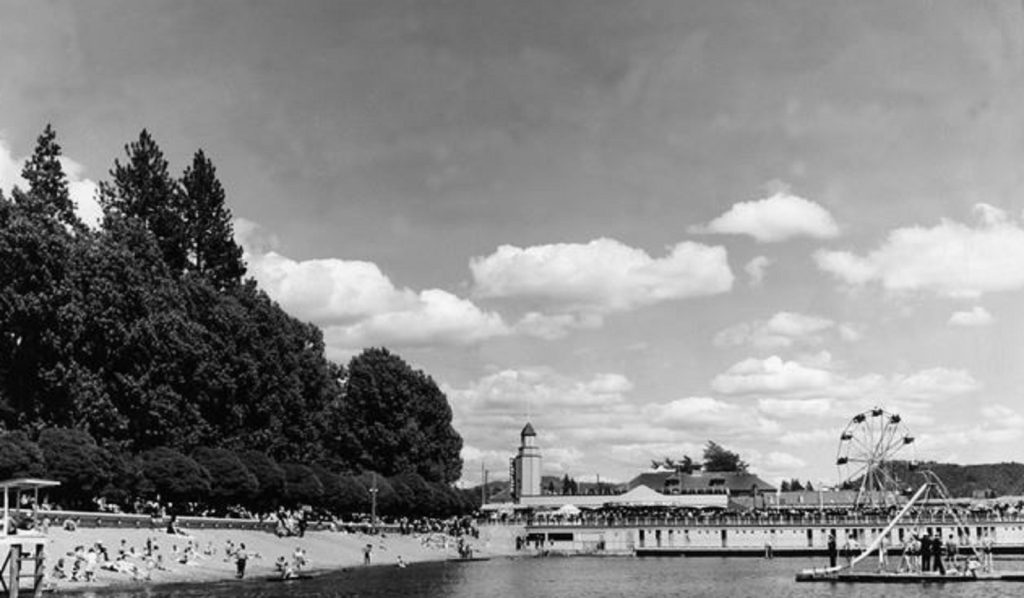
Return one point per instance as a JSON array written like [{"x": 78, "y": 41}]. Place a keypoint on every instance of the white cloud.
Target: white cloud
[
  {"x": 756, "y": 269},
  {"x": 782, "y": 330},
  {"x": 777, "y": 218},
  {"x": 555, "y": 326},
  {"x": 950, "y": 259},
  {"x": 795, "y": 408},
  {"x": 358, "y": 305},
  {"x": 977, "y": 316},
  {"x": 601, "y": 277},
  {"x": 821, "y": 378},
  {"x": 771, "y": 375},
  {"x": 84, "y": 193},
  {"x": 10, "y": 169},
  {"x": 808, "y": 437},
  {"x": 598, "y": 417}
]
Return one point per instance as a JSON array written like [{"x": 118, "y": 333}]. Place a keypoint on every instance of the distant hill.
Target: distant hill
[{"x": 989, "y": 480}]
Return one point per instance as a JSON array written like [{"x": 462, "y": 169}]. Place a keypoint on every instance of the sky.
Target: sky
[{"x": 639, "y": 225}]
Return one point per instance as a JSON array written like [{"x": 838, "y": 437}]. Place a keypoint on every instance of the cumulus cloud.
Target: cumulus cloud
[
  {"x": 608, "y": 428},
  {"x": 977, "y": 316},
  {"x": 358, "y": 305},
  {"x": 580, "y": 283},
  {"x": 83, "y": 191},
  {"x": 756, "y": 269},
  {"x": 782, "y": 330},
  {"x": 822, "y": 378},
  {"x": 950, "y": 259},
  {"x": 10, "y": 168},
  {"x": 777, "y": 218}
]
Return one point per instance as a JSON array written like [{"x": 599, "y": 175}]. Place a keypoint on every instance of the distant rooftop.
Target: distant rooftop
[{"x": 528, "y": 430}]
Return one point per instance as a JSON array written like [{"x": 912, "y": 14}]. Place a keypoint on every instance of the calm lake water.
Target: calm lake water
[{"x": 579, "y": 577}]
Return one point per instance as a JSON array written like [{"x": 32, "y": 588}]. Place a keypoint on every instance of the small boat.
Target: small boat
[{"x": 299, "y": 577}]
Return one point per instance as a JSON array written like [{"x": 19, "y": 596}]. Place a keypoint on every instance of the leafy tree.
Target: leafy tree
[
  {"x": 301, "y": 486},
  {"x": 20, "y": 457},
  {"x": 352, "y": 496},
  {"x": 142, "y": 188},
  {"x": 717, "y": 458},
  {"x": 231, "y": 483},
  {"x": 784, "y": 486},
  {"x": 686, "y": 465},
  {"x": 75, "y": 460},
  {"x": 209, "y": 238},
  {"x": 173, "y": 476},
  {"x": 808, "y": 487},
  {"x": 331, "y": 483},
  {"x": 414, "y": 494},
  {"x": 387, "y": 499},
  {"x": 269, "y": 476},
  {"x": 399, "y": 419},
  {"x": 37, "y": 317},
  {"x": 795, "y": 485}
]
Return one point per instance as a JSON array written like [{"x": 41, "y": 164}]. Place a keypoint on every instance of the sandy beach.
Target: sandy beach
[{"x": 325, "y": 551}]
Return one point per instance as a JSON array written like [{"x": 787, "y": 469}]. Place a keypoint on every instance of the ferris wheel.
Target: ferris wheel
[{"x": 868, "y": 448}]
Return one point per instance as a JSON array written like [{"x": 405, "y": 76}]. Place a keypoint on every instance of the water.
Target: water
[{"x": 578, "y": 577}]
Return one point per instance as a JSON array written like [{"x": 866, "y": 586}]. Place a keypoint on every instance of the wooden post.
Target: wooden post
[
  {"x": 15, "y": 570},
  {"x": 40, "y": 571}
]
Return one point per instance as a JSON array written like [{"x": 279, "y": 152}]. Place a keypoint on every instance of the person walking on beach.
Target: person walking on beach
[
  {"x": 366, "y": 553},
  {"x": 241, "y": 556}
]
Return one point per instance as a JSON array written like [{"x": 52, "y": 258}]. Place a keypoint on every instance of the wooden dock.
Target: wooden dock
[{"x": 915, "y": 578}]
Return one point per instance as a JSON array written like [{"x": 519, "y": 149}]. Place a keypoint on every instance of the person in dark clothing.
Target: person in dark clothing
[
  {"x": 833, "y": 554},
  {"x": 240, "y": 558},
  {"x": 926, "y": 553},
  {"x": 937, "y": 555}
]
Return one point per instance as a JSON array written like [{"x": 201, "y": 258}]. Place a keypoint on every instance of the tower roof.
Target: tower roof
[{"x": 527, "y": 430}]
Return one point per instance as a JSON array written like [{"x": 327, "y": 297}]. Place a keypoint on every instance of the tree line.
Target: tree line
[
  {"x": 715, "y": 458},
  {"x": 144, "y": 342}
]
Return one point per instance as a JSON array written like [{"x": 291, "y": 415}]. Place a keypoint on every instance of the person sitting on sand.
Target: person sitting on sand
[
  {"x": 58, "y": 569},
  {"x": 299, "y": 558},
  {"x": 90, "y": 565},
  {"x": 401, "y": 562},
  {"x": 284, "y": 568}
]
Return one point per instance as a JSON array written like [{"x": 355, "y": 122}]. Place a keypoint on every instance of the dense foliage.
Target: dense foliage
[
  {"x": 979, "y": 481},
  {"x": 140, "y": 354},
  {"x": 718, "y": 458}
]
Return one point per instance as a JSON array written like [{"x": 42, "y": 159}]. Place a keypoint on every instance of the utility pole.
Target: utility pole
[{"x": 483, "y": 484}]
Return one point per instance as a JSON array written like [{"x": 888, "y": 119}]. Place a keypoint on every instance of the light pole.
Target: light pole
[{"x": 373, "y": 503}]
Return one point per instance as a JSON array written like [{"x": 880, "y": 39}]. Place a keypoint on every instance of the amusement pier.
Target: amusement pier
[{"x": 672, "y": 513}]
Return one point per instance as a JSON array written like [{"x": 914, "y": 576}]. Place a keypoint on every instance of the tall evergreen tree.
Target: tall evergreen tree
[
  {"x": 142, "y": 188},
  {"x": 47, "y": 183},
  {"x": 209, "y": 238}
]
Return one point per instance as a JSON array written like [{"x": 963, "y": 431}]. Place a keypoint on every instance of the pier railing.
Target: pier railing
[{"x": 809, "y": 520}]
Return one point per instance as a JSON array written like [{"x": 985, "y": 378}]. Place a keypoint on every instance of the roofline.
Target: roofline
[{"x": 27, "y": 483}]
